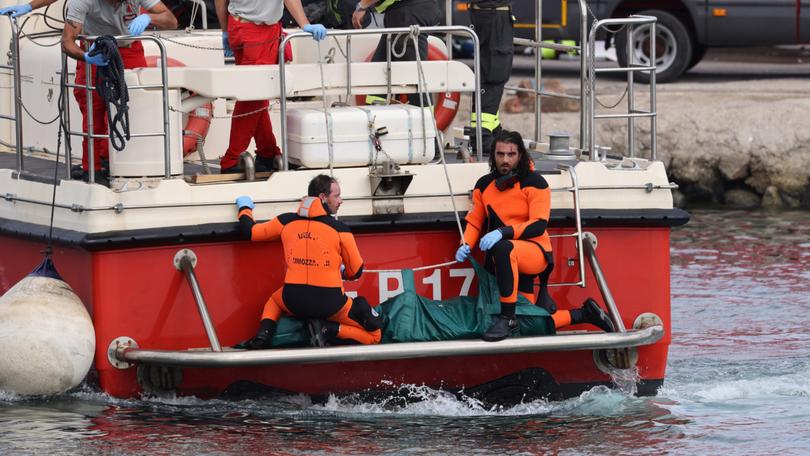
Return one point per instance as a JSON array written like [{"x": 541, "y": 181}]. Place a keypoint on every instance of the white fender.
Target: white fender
[{"x": 47, "y": 339}]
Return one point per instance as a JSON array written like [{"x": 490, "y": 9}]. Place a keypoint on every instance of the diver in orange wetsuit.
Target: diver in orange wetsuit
[
  {"x": 319, "y": 252},
  {"x": 511, "y": 208}
]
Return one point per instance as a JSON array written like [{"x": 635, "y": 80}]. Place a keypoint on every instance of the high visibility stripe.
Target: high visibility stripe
[
  {"x": 384, "y": 5},
  {"x": 548, "y": 53},
  {"x": 374, "y": 100},
  {"x": 488, "y": 121},
  {"x": 570, "y": 43}
]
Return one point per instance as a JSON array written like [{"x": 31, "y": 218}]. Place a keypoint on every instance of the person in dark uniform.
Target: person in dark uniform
[
  {"x": 319, "y": 252},
  {"x": 399, "y": 13},
  {"x": 509, "y": 221},
  {"x": 492, "y": 21}
]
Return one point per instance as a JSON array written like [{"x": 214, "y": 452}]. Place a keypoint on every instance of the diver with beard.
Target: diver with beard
[{"x": 509, "y": 221}]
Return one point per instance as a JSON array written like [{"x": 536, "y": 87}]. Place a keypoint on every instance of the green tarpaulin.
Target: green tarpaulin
[{"x": 413, "y": 318}]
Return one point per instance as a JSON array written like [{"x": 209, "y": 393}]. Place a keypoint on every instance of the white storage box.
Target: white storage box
[{"x": 351, "y": 135}]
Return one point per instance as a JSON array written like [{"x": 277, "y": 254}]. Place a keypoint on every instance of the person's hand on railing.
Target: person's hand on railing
[
  {"x": 94, "y": 57},
  {"x": 226, "y": 46},
  {"x": 244, "y": 201},
  {"x": 318, "y": 31},
  {"x": 17, "y": 10},
  {"x": 139, "y": 24}
]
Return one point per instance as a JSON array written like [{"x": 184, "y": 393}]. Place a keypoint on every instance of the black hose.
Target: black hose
[{"x": 112, "y": 88}]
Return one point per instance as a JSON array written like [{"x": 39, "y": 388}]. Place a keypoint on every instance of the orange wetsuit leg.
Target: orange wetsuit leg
[
  {"x": 274, "y": 308},
  {"x": 512, "y": 258},
  {"x": 350, "y": 329},
  {"x": 561, "y": 318}
]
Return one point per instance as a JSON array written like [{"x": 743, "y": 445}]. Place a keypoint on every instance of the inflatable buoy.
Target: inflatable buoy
[
  {"x": 445, "y": 105},
  {"x": 199, "y": 120},
  {"x": 47, "y": 340}
]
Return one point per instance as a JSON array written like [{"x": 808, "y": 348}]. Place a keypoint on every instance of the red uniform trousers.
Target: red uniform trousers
[
  {"x": 133, "y": 58},
  {"x": 252, "y": 44}
]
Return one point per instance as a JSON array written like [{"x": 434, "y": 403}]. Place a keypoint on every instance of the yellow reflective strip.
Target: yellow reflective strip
[
  {"x": 488, "y": 121},
  {"x": 384, "y": 5},
  {"x": 373, "y": 99}
]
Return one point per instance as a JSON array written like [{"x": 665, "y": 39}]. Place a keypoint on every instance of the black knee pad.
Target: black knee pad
[{"x": 362, "y": 312}]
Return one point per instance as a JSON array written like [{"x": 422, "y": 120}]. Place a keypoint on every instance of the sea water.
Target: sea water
[{"x": 738, "y": 382}]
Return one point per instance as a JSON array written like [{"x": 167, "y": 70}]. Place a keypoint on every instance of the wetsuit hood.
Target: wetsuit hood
[{"x": 311, "y": 207}]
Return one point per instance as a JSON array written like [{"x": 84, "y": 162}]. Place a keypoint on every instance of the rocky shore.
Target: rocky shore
[{"x": 742, "y": 144}]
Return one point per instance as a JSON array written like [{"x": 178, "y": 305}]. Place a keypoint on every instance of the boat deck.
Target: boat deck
[{"x": 39, "y": 166}]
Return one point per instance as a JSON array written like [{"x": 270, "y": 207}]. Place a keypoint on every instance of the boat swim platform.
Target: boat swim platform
[{"x": 123, "y": 351}]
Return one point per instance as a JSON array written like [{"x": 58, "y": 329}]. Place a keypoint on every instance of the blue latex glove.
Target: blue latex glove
[
  {"x": 139, "y": 24},
  {"x": 490, "y": 239},
  {"x": 17, "y": 10},
  {"x": 226, "y": 46},
  {"x": 244, "y": 201},
  {"x": 97, "y": 60},
  {"x": 318, "y": 31},
  {"x": 462, "y": 253}
]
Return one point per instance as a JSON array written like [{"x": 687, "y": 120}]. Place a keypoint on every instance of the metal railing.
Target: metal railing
[
  {"x": 632, "y": 113},
  {"x": 15, "y": 69},
  {"x": 574, "y": 189},
  {"x": 185, "y": 261},
  {"x": 89, "y": 88},
  {"x": 450, "y": 30}
]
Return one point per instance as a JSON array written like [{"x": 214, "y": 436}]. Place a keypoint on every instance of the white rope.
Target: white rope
[
  {"x": 422, "y": 96},
  {"x": 329, "y": 139},
  {"x": 421, "y": 268}
]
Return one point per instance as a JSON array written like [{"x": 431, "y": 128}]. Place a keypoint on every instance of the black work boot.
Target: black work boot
[
  {"x": 502, "y": 328},
  {"x": 590, "y": 312},
  {"x": 263, "y": 338}
]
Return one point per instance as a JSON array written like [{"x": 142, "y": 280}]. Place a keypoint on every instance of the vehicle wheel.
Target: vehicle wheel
[
  {"x": 698, "y": 52},
  {"x": 673, "y": 47}
]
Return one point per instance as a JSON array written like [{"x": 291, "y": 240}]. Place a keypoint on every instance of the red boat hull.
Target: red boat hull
[{"x": 136, "y": 292}]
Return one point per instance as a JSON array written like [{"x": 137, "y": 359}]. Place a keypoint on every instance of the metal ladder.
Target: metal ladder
[{"x": 629, "y": 24}]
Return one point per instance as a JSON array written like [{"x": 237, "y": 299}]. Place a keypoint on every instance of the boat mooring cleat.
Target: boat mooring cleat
[
  {"x": 263, "y": 338},
  {"x": 501, "y": 329},
  {"x": 593, "y": 314}
]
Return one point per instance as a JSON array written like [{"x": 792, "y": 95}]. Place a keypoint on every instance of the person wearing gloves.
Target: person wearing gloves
[
  {"x": 251, "y": 32},
  {"x": 107, "y": 17},
  {"x": 509, "y": 221},
  {"x": 320, "y": 252},
  {"x": 22, "y": 10}
]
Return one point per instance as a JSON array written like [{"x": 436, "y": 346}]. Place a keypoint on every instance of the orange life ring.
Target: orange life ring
[
  {"x": 445, "y": 104},
  {"x": 198, "y": 121}
]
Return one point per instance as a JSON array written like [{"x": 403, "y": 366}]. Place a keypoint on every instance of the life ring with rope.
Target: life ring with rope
[
  {"x": 198, "y": 121},
  {"x": 445, "y": 104}
]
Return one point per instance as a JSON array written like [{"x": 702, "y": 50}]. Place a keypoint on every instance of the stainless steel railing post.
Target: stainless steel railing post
[
  {"x": 15, "y": 43},
  {"x": 185, "y": 260},
  {"x": 613, "y": 310}
]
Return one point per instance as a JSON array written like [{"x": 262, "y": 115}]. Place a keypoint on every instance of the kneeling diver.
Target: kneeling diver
[{"x": 316, "y": 249}]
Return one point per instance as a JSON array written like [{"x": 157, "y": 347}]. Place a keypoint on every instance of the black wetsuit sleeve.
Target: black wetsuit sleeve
[{"x": 246, "y": 223}]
